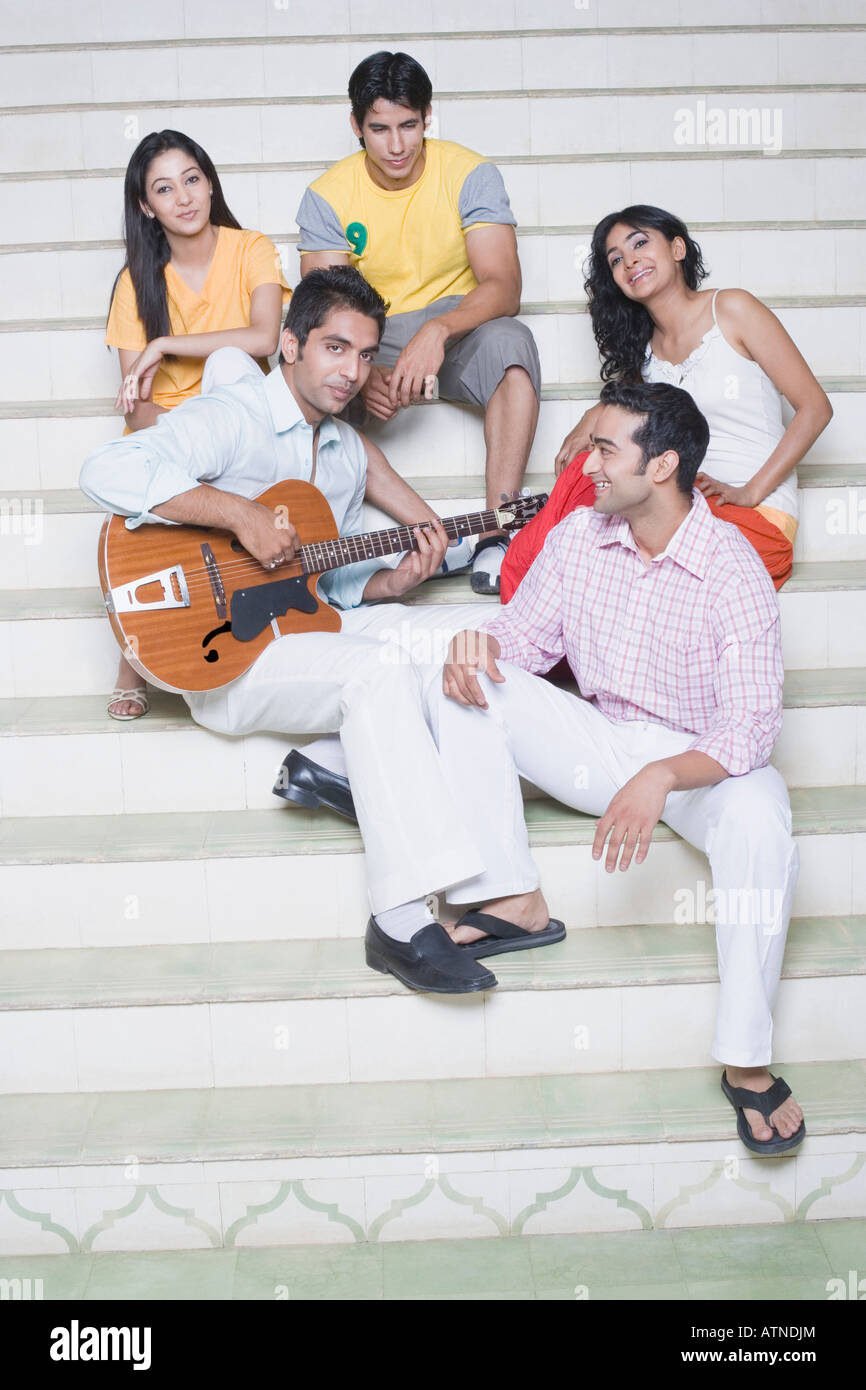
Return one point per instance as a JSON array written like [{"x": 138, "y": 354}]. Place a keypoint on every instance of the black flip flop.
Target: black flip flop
[
  {"x": 506, "y": 936},
  {"x": 766, "y": 1102}
]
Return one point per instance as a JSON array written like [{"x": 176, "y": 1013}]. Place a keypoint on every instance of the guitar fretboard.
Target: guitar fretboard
[{"x": 347, "y": 550}]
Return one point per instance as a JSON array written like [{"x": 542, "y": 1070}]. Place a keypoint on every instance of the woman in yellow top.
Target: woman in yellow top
[{"x": 194, "y": 281}]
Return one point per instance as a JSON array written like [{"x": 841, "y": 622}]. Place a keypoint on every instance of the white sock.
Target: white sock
[
  {"x": 401, "y": 923},
  {"x": 327, "y": 752}
]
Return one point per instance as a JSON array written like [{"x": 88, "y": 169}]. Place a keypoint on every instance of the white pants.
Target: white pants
[
  {"x": 367, "y": 683},
  {"x": 565, "y": 746}
]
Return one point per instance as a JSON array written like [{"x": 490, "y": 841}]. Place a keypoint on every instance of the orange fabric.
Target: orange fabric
[
  {"x": 573, "y": 489},
  {"x": 772, "y": 545},
  {"x": 242, "y": 261}
]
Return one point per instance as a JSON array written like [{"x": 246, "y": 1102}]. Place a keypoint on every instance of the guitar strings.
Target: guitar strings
[{"x": 234, "y": 569}]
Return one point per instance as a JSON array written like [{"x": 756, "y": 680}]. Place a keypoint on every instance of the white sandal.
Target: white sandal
[{"x": 139, "y": 695}]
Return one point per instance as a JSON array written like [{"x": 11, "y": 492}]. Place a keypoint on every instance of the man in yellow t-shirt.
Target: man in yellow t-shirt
[{"x": 429, "y": 224}]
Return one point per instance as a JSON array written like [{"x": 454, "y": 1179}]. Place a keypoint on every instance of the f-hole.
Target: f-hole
[{"x": 215, "y": 656}]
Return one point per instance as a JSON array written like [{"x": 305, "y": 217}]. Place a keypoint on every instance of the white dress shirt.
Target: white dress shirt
[{"x": 241, "y": 439}]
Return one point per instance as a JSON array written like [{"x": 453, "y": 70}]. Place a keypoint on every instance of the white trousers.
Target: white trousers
[
  {"x": 565, "y": 746},
  {"x": 366, "y": 682}
]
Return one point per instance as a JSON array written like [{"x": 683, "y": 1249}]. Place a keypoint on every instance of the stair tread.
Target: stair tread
[
  {"x": 96, "y": 324},
  {"x": 72, "y": 501},
  {"x": 531, "y": 229},
  {"x": 31, "y": 604},
  {"x": 787, "y": 86},
  {"x": 252, "y": 834},
  {"x": 355, "y": 1118},
  {"x": 334, "y": 968},
  {"x": 102, "y": 406},
  {"x": 47, "y": 715}
]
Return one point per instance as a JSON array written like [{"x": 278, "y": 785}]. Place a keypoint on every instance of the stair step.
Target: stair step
[
  {"x": 359, "y": 1118},
  {"x": 790, "y": 268},
  {"x": 828, "y": 116},
  {"x": 73, "y": 362},
  {"x": 364, "y": 1162},
  {"x": 51, "y": 540},
  {"x": 628, "y": 956},
  {"x": 89, "y": 27},
  {"x": 470, "y": 486},
  {"x": 42, "y": 452},
  {"x": 252, "y": 834},
  {"x": 99, "y": 766},
  {"x": 717, "y": 187},
  {"x": 521, "y": 58}
]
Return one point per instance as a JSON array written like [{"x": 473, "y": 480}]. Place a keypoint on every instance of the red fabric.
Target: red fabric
[{"x": 573, "y": 489}]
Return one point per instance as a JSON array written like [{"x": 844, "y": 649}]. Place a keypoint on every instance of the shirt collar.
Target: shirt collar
[
  {"x": 689, "y": 546},
  {"x": 286, "y": 413}
]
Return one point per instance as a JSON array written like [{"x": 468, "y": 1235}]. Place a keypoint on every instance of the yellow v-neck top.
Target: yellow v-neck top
[{"x": 241, "y": 262}]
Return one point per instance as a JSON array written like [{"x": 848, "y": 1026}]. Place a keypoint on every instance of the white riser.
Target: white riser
[
  {"x": 90, "y": 22},
  {"x": 303, "y": 896},
  {"x": 411, "y": 1038},
  {"x": 734, "y": 189},
  {"x": 47, "y": 453},
  {"x": 78, "y": 656},
  {"x": 74, "y": 364},
  {"x": 39, "y": 551},
  {"x": 76, "y": 284},
  {"x": 505, "y": 62},
  {"x": 388, "y": 1197},
  {"x": 196, "y": 770},
  {"x": 103, "y": 139}
]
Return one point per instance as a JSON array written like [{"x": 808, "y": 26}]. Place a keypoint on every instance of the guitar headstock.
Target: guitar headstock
[{"x": 515, "y": 511}]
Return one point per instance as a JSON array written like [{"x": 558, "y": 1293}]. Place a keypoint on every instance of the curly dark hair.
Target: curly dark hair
[{"x": 622, "y": 327}]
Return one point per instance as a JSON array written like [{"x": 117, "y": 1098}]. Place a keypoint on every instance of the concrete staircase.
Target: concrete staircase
[{"x": 192, "y": 1052}]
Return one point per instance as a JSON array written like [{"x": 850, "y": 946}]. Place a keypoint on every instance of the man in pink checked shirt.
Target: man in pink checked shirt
[{"x": 671, "y": 626}]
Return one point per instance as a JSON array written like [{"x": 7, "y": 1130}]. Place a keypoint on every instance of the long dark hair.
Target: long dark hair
[
  {"x": 622, "y": 327},
  {"x": 147, "y": 248}
]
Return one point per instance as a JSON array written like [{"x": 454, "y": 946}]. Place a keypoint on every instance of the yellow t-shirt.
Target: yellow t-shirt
[
  {"x": 241, "y": 262},
  {"x": 410, "y": 244}
]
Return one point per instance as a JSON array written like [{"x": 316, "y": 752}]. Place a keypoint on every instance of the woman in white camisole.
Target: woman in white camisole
[{"x": 727, "y": 349}]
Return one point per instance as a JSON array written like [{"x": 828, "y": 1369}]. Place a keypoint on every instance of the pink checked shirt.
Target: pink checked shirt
[{"x": 691, "y": 641}]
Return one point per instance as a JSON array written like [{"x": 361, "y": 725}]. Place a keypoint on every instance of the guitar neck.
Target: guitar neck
[{"x": 347, "y": 550}]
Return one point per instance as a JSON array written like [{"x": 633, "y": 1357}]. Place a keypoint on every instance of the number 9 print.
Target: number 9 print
[{"x": 356, "y": 235}]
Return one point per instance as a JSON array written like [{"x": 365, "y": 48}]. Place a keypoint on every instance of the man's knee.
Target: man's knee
[{"x": 226, "y": 366}]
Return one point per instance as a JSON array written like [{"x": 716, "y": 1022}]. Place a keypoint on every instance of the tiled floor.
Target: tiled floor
[{"x": 791, "y": 1262}]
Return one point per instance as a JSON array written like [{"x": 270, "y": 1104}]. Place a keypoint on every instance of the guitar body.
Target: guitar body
[{"x": 192, "y": 610}]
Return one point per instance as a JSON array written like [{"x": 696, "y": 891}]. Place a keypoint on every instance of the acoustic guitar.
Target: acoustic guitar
[{"x": 192, "y": 610}]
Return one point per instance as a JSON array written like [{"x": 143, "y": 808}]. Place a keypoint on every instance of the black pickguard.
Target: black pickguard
[{"x": 254, "y": 609}]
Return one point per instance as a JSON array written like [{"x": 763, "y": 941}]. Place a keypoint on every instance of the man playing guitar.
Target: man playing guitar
[{"x": 203, "y": 465}]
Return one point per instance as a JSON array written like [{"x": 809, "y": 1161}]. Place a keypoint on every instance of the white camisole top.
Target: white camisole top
[{"x": 742, "y": 408}]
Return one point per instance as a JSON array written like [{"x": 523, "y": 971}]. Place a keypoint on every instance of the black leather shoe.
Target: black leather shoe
[
  {"x": 431, "y": 961},
  {"x": 309, "y": 784}
]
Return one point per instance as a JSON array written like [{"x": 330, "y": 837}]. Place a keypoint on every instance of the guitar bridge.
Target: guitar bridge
[{"x": 174, "y": 593}]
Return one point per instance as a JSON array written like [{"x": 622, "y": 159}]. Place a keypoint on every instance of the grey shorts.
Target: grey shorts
[{"x": 476, "y": 363}]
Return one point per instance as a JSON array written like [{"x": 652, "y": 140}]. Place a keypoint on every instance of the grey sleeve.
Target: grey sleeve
[
  {"x": 319, "y": 225},
  {"x": 483, "y": 198}
]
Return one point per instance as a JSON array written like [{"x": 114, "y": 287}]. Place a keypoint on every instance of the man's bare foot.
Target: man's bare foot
[
  {"x": 786, "y": 1119},
  {"x": 528, "y": 910}
]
